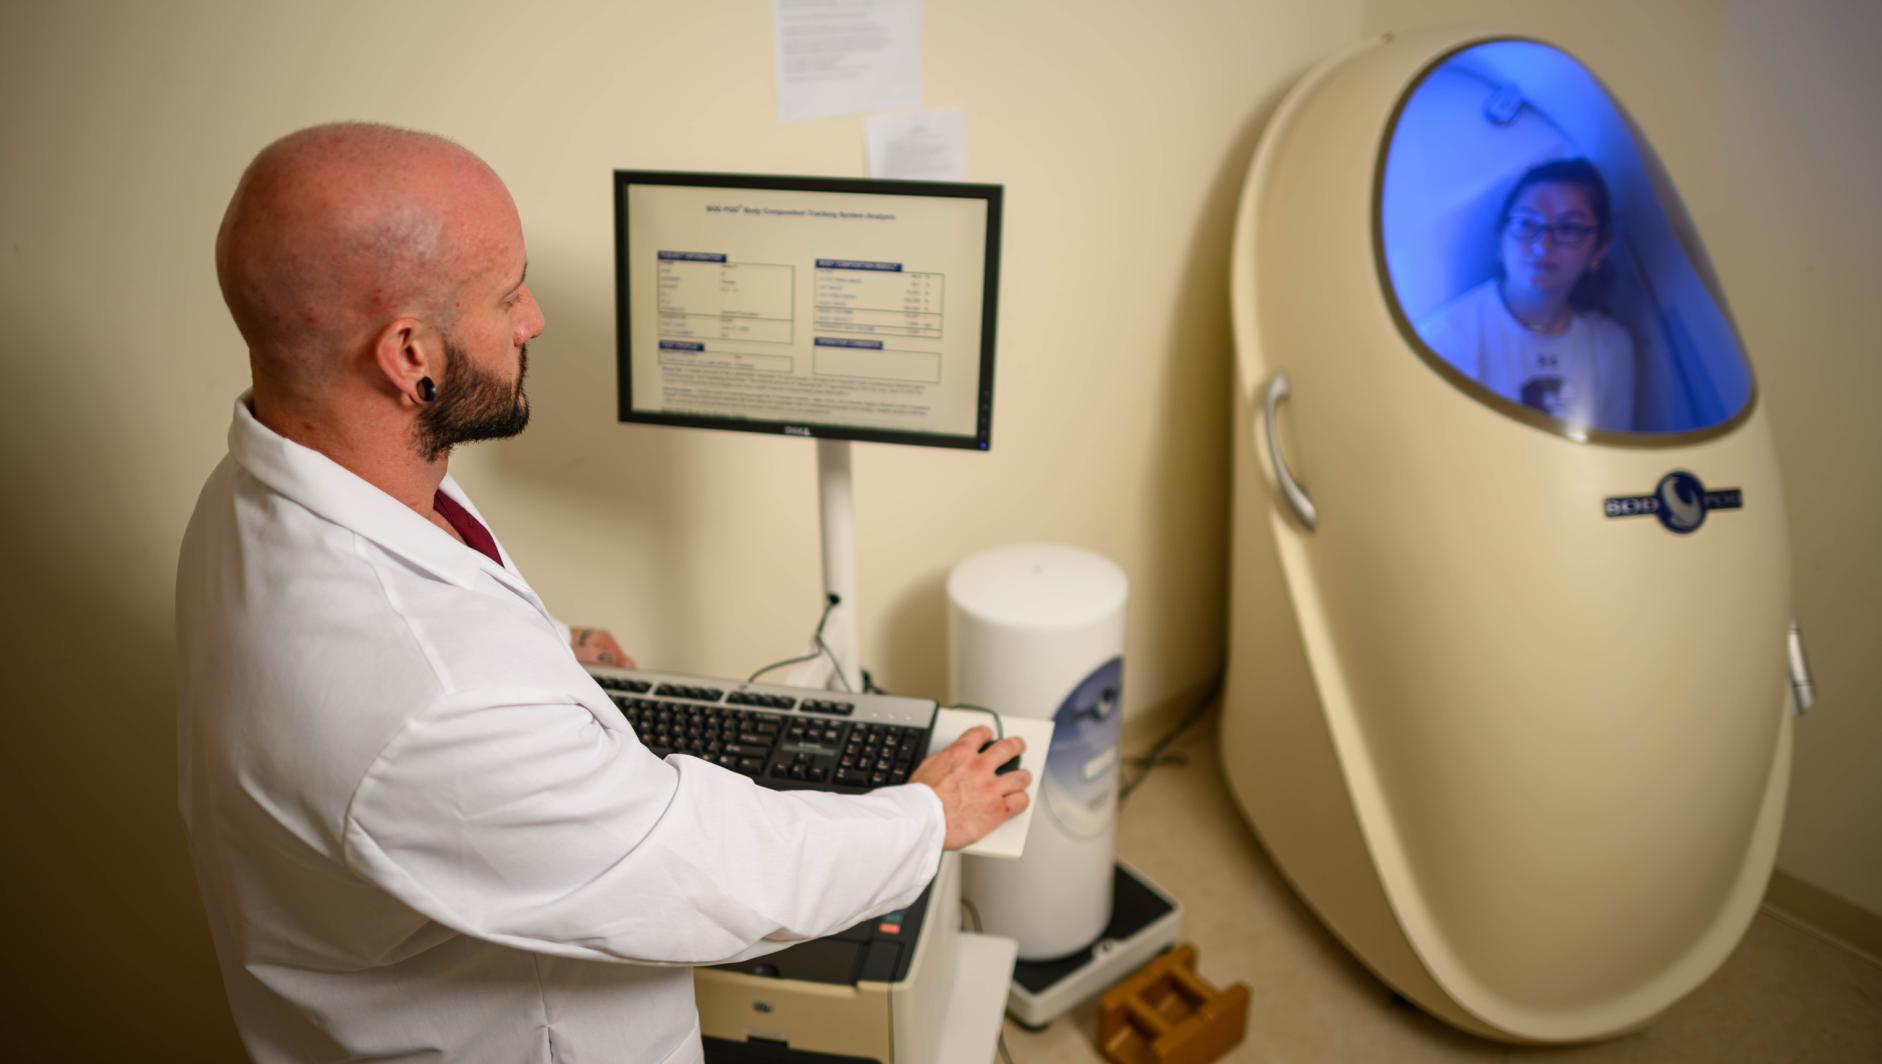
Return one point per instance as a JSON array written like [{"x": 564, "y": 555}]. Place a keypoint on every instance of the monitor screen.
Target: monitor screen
[{"x": 828, "y": 307}]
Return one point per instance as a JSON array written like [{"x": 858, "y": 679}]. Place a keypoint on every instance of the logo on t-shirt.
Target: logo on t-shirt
[
  {"x": 1680, "y": 501},
  {"x": 1546, "y": 385},
  {"x": 1547, "y": 394}
]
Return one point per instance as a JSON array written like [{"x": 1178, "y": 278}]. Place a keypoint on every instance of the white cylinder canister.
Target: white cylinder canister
[{"x": 1037, "y": 630}]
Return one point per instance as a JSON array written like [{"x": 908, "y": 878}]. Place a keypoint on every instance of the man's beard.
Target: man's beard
[{"x": 472, "y": 405}]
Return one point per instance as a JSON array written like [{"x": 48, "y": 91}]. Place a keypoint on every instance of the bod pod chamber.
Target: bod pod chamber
[{"x": 1506, "y": 697}]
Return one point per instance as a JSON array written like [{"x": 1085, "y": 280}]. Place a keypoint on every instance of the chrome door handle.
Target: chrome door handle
[
  {"x": 1803, "y": 687},
  {"x": 1291, "y": 490}
]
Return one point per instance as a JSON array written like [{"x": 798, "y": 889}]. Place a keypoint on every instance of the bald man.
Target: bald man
[{"x": 420, "y": 829}]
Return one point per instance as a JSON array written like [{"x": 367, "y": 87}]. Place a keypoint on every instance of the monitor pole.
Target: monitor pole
[{"x": 837, "y": 504}]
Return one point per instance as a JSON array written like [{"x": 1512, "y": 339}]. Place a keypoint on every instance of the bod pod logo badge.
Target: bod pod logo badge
[{"x": 1680, "y": 501}]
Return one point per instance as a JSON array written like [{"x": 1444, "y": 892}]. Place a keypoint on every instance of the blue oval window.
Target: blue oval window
[{"x": 1536, "y": 248}]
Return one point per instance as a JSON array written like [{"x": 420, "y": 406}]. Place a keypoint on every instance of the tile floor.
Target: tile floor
[{"x": 1784, "y": 995}]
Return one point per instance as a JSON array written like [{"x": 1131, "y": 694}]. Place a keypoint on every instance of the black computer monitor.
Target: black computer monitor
[{"x": 837, "y": 308}]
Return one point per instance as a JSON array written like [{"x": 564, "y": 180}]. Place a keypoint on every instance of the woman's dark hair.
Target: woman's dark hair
[{"x": 1582, "y": 174}]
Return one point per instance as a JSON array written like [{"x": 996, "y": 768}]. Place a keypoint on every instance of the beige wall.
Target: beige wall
[
  {"x": 1120, "y": 134},
  {"x": 1765, "y": 116}
]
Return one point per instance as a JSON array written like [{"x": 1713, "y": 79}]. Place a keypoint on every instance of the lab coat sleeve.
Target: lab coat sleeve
[{"x": 519, "y": 819}]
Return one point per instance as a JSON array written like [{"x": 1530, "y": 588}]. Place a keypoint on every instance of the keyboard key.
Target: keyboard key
[
  {"x": 754, "y": 698},
  {"x": 841, "y": 709}
]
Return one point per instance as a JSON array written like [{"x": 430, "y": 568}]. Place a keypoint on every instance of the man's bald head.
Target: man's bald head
[{"x": 338, "y": 229}]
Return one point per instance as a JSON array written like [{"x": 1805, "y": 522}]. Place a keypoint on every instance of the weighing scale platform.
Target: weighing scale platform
[{"x": 1144, "y": 922}]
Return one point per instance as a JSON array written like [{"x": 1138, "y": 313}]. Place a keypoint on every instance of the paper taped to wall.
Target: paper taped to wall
[
  {"x": 846, "y": 57},
  {"x": 919, "y": 145}
]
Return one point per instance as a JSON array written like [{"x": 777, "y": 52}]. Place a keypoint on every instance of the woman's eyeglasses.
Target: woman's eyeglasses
[{"x": 1561, "y": 234}]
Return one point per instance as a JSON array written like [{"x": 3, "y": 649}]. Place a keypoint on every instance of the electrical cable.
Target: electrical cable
[
  {"x": 835, "y": 666},
  {"x": 800, "y": 659},
  {"x": 831, "y": 599},
  {"x": 999, "y": 730},
  {"x": 1155, "y": 757}
]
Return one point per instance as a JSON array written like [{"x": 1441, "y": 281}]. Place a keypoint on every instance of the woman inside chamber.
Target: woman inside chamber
[{"x": 1532, "y": 333}]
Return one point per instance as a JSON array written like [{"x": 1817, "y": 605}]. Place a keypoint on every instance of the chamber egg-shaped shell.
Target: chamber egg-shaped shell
[{"x": 1507, "y": 691}]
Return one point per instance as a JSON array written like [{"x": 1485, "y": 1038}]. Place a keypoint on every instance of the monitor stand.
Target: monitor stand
[{"x": 839, "y": 669}]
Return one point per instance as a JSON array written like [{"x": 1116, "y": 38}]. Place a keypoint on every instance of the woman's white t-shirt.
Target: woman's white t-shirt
[{"x": 1584, "y": 374}]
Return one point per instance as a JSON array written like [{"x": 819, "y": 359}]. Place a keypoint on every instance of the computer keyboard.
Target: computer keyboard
[{"x": 786, "y": 738}]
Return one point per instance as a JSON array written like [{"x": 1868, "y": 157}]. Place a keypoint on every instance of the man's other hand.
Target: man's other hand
[
  {"x": 974, "y": 798},
  {"x": 596, "y": 646}
]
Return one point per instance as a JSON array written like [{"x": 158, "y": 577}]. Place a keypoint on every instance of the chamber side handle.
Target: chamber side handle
[
  {"x": 1803, "y": 688},
  {"x": 1291, "y": 490}
]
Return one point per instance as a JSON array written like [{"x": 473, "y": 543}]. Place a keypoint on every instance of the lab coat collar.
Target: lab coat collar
[{"x": 336, "y": 493}]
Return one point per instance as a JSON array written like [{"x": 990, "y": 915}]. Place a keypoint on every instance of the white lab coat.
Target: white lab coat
[{"x": 422, "y": 832}]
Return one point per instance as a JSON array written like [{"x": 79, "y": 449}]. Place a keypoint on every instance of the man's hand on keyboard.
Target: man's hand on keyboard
[
  {"x": 974, "y": 798},
  {"x": 596, "y": 646}
]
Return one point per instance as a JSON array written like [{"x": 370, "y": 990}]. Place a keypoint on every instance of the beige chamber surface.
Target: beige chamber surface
[{"x": 1555, "y": 740}]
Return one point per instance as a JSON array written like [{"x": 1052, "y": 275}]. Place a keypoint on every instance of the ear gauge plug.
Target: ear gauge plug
[{"x": 427, "y": 390}]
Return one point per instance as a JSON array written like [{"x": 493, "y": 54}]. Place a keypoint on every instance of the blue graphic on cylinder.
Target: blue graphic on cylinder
[{"x": 1080, "y": 785}]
